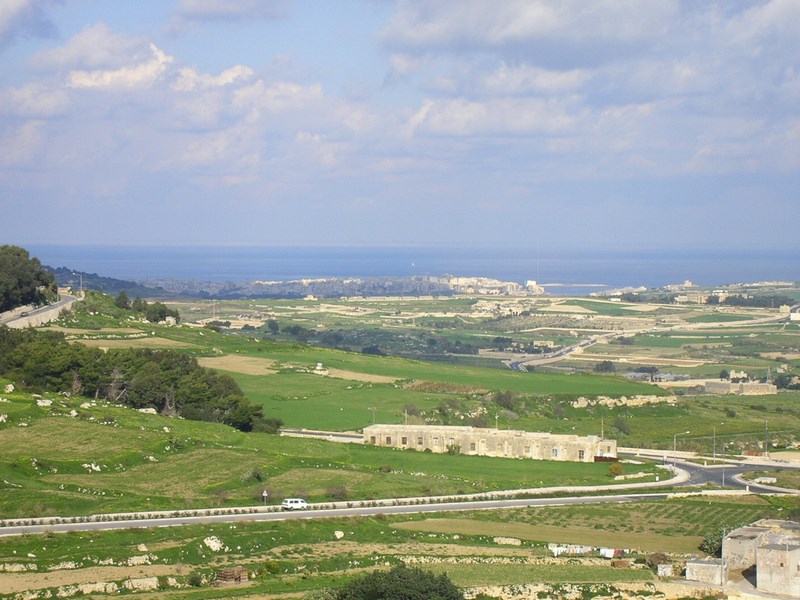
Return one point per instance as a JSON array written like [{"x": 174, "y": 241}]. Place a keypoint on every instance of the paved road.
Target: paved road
[
  {"x": 722, "y": 475},
  {"x": 699, "y": 475},
  {"x": 21, "y": 321},
  {"x": 521, "y": 365},
  {"x": 329, "y": 513}
]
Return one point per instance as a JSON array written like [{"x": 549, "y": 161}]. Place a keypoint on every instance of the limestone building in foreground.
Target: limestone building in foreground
[
  {"x": 770, "y": 548},
  {"x": 492, "y": 442}
]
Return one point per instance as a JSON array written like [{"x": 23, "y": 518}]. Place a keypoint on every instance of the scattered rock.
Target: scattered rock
[
  {"x": 507, "y": 541},
  {"x": 339, "y": 534},
  {"x": 142, "y": 584},
  {"x": 214, "y": 543}
]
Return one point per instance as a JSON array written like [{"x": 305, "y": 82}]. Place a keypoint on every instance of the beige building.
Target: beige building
[
  {"x": 492, "y": 442},
  {"x": 770, "y": 547},
  {"x": 744, "y": 388}
]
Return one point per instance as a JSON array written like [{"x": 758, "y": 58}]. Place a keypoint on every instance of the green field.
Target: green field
[
  {"x": 300, "y": 556},
  {"x": 74, "y": 457}
]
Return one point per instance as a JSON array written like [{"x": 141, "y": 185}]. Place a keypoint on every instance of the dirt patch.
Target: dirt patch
[
  {"x": 641, "y": 307},
  {"x": 781, "y": 355},
  {"x": 246, "y": 365},
  {"x": 145, "y": 342},
  {"x": 568, "y": 308},
  {"x": 21, "y": 582},
  {"x": 648, "y": 542},
  {"x": 114, "y": 330},
  {"x": 441, "y": 387},
  {"x": 365, "y": 377}
]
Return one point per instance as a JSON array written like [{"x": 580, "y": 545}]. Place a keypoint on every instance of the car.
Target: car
[{"x": 294, "y": 504}]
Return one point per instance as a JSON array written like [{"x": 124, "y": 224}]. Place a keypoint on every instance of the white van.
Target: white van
[{"x": 294, "y": 504}]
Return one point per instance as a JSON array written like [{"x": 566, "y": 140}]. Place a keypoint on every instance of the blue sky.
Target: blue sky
[{"x": 615, "y": 124}]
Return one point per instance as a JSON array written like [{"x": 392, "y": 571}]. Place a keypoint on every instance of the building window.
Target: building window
[
  {"x": 372, "y": 439},
  {"x": 404, "y": 441},
  {"x": 554, "y": 452},
  {"x": 472, "y": 446},
  {"x": 388, "y": 440},
  {"x": 527, "y": 449},
  {"x": 581, "y": 454},
  {"x": 435, "y": 440},
  {"x": 608, "y": 449},
  {"x": 419, "y": 441}
]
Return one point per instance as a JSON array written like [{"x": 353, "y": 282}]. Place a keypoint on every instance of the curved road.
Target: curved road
[
  {"x": 24, "y": 319},
  {"x": 698, "y": 475}
]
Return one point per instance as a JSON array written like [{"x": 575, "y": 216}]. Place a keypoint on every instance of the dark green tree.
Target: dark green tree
[
  {"x": 138, "y": 304},
  {"x": 122, "y": 300},
  {"x": 400, "y": 583},
  {"x": 23, "y": 280},
  {"x": 605, "y": 366}
]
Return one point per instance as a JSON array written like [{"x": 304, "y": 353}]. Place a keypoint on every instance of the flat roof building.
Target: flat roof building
[{"x": 492, "y": 442}]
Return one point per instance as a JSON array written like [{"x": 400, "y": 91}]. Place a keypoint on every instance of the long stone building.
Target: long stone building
[{"x": 492, "y": 442}]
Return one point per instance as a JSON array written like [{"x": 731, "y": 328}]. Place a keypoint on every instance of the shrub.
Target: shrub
[
  {"x": 400, "y": 583},
  {"x": 194, "y": 579},
  {"x": 615, "y": 469},
  {"x": 712, "y": 542},
  {"x": 337, "y": 492}
]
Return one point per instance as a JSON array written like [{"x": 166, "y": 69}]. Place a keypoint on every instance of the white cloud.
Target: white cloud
[
  {"x": 21, "y": 145},
  {"x": 96, "y": 46},
  {"x": 23, "y": 17},
  {"x": 497, "y": 116},
  {"x": 277, "y": 96},
  {"x": 140, "y": 75},
  {"x": 34, "y": 99},
  {"x": 480, "y": 23},
  {"x": 189, "y": 79},
  {"x": 525, "y": 79},
  {"x": 229, "y": 10}
]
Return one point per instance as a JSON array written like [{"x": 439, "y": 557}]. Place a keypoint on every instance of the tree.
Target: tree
[
  {"x": 400, "y": 583},
  {"x": 375, "y": 350},
  {"x": 273, "y": 326},
  {"x": 605, "y": 366},
  {"x": 23, "y": 280},
  {"x": 122, "y": 300},
  {"x": 782, "y": 380},
  {"x": 724, "y": 374},
  {"x": 652, "y": 371},
  {"x": 712, "y": 542},
  {"x": 138, "y": 304}
]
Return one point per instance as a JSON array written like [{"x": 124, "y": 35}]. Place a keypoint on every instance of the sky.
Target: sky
[{"x": 564, "y": 124}]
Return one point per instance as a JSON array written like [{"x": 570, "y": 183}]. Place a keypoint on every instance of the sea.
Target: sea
[{"x": 569, "y": 272}]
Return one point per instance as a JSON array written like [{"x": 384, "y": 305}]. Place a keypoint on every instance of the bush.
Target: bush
[
  {"x": 712, "y": 542},
  {"x": 400, "y": 583},
  {"x": 615, "y": 469},
  {"x": 337, "y": 492},
  {"x": 194, "y": 579},
  {"x": 657, "y": 558}
]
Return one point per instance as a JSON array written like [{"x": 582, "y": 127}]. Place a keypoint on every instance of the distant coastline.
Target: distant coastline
[{"x": 247, "y": 264}]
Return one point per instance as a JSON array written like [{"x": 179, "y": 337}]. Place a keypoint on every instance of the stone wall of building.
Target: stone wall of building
[
  {"x": 491, "y": 442},
  {"x": 705, "y": 571},
  {"x": 772, "y": 547},
  {"x": 778, "y": 569}
]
